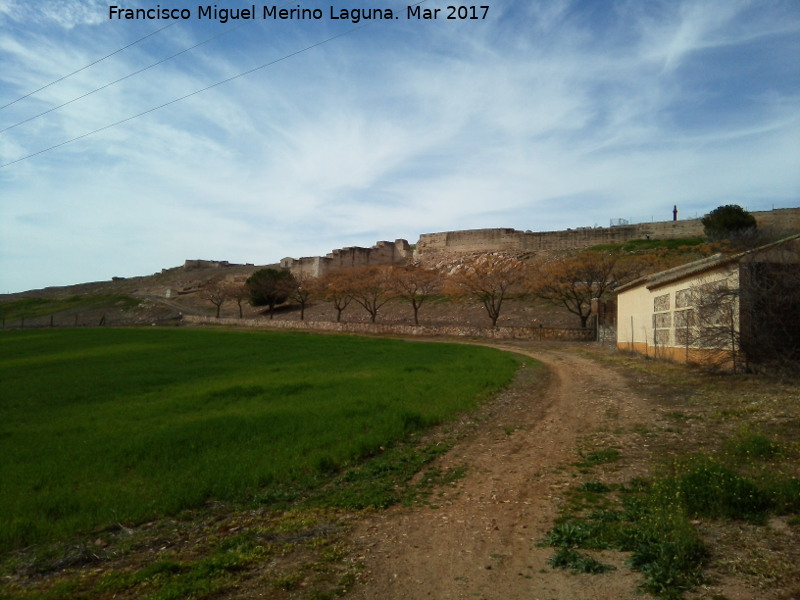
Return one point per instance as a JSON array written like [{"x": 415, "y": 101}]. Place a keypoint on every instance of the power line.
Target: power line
[
  {"x": 160, "y": 106},
  {"x": 142, "y": 70},
  {"x": 141, "y": 39}
]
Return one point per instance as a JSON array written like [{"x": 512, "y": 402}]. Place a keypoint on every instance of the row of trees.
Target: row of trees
[{"x": 572, "y": 282}]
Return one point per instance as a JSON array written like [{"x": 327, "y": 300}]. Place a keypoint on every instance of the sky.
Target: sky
[{"x": 325, "y": 133}]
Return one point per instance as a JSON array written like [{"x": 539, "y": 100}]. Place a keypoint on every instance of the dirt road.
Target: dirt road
[{"x": 479, "y": 541}]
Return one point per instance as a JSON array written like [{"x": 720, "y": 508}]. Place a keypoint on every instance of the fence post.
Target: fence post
[{"x": 632, "y": 346}]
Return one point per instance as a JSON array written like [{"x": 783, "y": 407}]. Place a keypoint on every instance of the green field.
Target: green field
[
  {"x": 106, "y": 426},
  {"x": 28, "y": 308}
]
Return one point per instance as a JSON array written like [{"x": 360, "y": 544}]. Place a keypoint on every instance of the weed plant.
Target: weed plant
[
  {"x": 653, "y": 518},
  {"x": 100, "y": 426}
]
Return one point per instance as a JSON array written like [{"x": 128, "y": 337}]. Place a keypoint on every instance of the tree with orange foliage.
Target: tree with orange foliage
[
  {"x": 371, "y": 287},
  {"x": 335, "y": 286},
  {"x": 415, "y": 285},
  {"x": 490, "y": 278},
  {"x": 575, "y": 281}
]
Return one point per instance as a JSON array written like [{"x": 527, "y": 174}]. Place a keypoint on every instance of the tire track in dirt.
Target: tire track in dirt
[{"x": 481, "y": 539}]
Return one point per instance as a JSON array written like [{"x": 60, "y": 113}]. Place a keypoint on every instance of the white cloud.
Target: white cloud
[
  {"x": 544, "y": 118},
  {"x": 64, "y": 13}
]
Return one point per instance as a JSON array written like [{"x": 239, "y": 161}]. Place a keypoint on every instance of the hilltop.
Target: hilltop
[{"x": 164, "y": 296}]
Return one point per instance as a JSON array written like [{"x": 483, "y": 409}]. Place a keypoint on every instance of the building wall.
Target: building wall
[{"x": 657, "y": 322}]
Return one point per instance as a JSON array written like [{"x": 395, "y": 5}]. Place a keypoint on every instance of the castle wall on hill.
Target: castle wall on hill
[
  {"x": 189, "y": 265},
  {"x": 432, "y": 245},
  {"x": 382, "y": 253}
]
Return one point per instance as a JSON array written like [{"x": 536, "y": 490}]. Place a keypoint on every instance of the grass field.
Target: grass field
[
  {"x": 106, "y": 426},
  {"x": 28, "y": 308}
]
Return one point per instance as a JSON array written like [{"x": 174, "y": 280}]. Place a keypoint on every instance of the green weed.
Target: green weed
[
  {"x": 567, "y": 558},
  {"x": 705, "y": 488},
  {"x": 599, "y": 457},
  {"x": 749, "y": 445},
  {"x": 595, "y": 487},
  {"x": 655, "y": 520}
]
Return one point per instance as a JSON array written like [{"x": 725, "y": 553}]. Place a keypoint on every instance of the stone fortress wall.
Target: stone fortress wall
[
  {"x": 432, "y": 247},
  {"x": 382, "y": 253}
]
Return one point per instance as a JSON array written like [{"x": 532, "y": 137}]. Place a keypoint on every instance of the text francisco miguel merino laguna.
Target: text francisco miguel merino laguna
[{"x": 354, "y": 15}]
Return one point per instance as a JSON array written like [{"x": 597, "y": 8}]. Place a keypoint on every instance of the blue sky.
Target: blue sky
[{"x": 543, "y": 116}]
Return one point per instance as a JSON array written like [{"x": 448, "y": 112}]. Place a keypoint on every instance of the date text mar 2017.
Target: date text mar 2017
[{"x": 451, "y": 12}]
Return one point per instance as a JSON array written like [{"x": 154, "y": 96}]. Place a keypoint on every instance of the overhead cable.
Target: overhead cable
[
  {"x": 102, "y": 87},
  {"x": 217, "y": 84},
  {"x": 44, "y": 87}
]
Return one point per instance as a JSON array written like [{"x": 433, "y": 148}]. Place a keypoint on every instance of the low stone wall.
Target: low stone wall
[{"x": 497, "y": 333}]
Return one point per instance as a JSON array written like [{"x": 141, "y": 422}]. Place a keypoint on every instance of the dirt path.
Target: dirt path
[{"x": 480, "y": 541}]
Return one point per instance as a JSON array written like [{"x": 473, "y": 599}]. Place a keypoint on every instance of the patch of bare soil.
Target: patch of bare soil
[{"x": 480, "y": 537}]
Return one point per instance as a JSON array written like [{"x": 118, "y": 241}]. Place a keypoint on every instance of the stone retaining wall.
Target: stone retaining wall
[{"x": 497, "y": 333}]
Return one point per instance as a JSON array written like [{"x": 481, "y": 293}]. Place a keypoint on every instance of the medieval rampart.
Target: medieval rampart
[
  {"x": 382, "y": 253},
  {"x": 433, "y": 245}
]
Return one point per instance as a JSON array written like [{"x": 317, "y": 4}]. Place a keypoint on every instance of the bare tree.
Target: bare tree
[
  {"x": 215, "y": 292},
  {"x": 303, "y": 291},
  {"x": 239, "y": 292},
  {"x": 716, "y": 328},
  {"x": 573, "y": 282},
  {"x": 415, "y": 285},
  {"x": 490, "y": 278}
]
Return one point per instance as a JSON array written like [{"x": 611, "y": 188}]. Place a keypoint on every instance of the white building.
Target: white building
[{"x": 724, "y": 310}]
